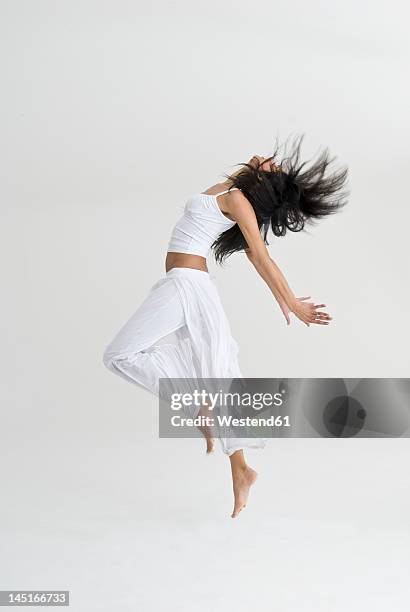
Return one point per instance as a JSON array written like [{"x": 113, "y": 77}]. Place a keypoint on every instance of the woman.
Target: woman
[{"x": 181, "y": 330}]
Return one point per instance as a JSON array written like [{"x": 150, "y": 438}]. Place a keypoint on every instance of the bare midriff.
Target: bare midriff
[{"x": 184, "y": 260}]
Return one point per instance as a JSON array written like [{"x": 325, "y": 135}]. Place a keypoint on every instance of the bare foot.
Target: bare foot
[
  {"x": 243, "y": 478},
  {"x": 210, "y": 443}
]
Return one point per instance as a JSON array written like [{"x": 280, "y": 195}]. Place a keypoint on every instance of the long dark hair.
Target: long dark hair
[{"x": 286, "y": 198}]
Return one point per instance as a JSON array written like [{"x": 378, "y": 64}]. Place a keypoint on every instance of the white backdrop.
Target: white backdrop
[{"x": 113, "y": 114}]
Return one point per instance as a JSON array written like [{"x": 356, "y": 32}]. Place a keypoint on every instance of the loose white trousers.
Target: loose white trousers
[{"x": 185, "y": 305}]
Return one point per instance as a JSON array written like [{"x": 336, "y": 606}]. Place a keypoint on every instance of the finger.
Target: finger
[
  {"x": 316, "y": 313},
  {"x": 317, "y": 317},
  {"x": 315, "y": 308},
  {"x": 304, "y": 298},
  {"x": 320, "y": 305},
  {"x": 322, "y": 314}
]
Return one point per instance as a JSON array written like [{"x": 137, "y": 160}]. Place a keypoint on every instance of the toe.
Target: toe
[{"x": 236, "y": 511}]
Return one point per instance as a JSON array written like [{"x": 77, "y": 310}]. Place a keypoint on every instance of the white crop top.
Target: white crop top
[{"x": 200, "y": 225}]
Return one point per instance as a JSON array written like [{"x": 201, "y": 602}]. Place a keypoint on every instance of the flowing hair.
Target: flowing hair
[{"x": 285, "y": 198}]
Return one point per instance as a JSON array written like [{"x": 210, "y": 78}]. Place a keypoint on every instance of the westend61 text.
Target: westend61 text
[{"x": 230, "y": 421}]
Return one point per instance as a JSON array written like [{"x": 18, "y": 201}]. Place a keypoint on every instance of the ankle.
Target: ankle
[{"x": 242, "y": 468}]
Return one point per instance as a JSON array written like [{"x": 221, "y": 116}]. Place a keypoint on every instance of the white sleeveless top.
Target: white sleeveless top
[{"x": 200, "y": 225}]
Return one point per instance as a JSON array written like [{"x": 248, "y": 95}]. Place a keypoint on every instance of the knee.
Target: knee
[
  {"x": 117, "y": 355},
  {"x": 109, "y": 358},
  {"x": 113, "y": 357}
]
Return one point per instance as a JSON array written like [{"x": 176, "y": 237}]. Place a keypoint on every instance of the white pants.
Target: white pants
[{"x": 183, "y": 306}]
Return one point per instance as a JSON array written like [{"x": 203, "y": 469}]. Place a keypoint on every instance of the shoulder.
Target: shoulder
[
  {"x": 239, "y": 206},
  {"x": 239, "y": 200},
  {"x": 237, "y": 195}
]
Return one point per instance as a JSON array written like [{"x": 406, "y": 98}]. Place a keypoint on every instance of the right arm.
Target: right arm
[{"x": 242, "y": 212}]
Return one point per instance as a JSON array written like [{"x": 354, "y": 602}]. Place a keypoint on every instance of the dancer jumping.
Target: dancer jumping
[{"x": 184, "y": 305}]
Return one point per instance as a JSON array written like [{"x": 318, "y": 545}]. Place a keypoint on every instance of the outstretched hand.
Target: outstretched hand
[{"x": 307, "y": 312}]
